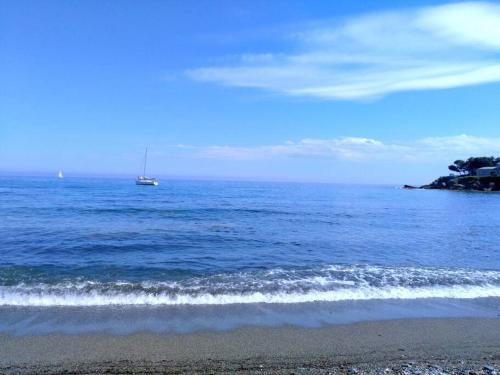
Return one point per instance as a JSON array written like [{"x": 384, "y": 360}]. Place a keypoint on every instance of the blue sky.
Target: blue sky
[{"x": 341, "y": 91}]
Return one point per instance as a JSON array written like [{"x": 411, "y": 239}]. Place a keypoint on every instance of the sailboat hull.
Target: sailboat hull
[{"x": 149, "y": 182}]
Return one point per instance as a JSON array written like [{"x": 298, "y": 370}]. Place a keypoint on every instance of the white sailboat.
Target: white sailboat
[
  {"x": 60, "y": 174},
  {"x": 144, "y": 180}
]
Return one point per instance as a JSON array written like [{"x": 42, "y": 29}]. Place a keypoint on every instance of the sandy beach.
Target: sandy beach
[{"x": 395, "y": 346}]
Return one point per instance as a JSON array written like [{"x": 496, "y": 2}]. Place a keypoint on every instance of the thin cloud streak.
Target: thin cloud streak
[
  {"x": 357, "y": 149},
  {"x": 370, "y": 56}
]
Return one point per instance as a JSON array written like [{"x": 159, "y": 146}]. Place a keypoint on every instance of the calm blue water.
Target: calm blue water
[{"x": 100, "y": 242}]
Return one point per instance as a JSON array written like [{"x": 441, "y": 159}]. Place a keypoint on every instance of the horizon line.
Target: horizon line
[{"x": 190, "y": 178}]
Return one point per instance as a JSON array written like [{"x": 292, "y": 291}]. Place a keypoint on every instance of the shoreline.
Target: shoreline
[{"x": 368, "y": 346}]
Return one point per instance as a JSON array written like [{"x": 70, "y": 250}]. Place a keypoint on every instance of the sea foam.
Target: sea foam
[
  {"x": 14, "y": 298},
  {"x": 329, "y": 284}
]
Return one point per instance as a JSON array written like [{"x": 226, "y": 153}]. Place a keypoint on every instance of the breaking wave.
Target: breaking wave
[{"x": 333, "y": 283}]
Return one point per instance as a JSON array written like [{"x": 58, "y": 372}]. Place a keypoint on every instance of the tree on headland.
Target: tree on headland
[
  {"x": 458, "y": 166},
  {"x": 469, "y": 166}
]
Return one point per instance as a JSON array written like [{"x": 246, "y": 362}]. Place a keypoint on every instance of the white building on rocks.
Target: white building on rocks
[{"x": 488, "y": 171}]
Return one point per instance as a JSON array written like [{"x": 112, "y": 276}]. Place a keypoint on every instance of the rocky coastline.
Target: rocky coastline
[
  {"x": 462, "y": 183},
  {"x": 477, "y": 173}
]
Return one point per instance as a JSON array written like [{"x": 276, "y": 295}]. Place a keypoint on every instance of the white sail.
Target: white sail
[{"x": 60, "y": 174}]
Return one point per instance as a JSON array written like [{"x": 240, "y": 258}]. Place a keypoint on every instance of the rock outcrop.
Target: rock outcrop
[{"x": 463, "y": 183}]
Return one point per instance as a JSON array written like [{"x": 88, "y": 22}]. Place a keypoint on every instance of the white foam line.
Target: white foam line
[{"x": 11, "y": 297}]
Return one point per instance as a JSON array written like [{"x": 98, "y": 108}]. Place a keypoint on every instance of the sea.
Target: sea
[{"x": 104, "y": 255}]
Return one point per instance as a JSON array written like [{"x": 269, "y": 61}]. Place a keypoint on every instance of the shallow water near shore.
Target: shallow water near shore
[
  {"x": 124, "y": 320},
  {"x": 99, "y": 254}
]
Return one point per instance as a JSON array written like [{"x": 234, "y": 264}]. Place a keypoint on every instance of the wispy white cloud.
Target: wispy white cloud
[
  {"x": 435, "y": 47},
  {"x": 358, "y": 149}
]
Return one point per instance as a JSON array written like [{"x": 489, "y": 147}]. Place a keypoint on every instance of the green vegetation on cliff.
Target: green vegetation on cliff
[{"x": 469, "y": 166}]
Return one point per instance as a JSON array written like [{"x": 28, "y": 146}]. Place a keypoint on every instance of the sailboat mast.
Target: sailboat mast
[{"x": 145, "y": 161}]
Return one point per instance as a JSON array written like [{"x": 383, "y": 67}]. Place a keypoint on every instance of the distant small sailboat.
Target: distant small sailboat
[
  {"x": 144, "y": 180},
  {"x": 60, "y": 175}
]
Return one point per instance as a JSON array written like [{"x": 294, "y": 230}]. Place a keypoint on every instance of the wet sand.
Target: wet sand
[{"x": 400, "y": 346}]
